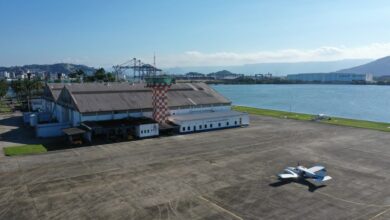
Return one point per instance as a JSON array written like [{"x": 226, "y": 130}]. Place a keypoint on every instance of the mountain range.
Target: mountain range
[
  {"x": 49, "y": 68},
  {"x": 275, "y": 68},
  {"x": 379, "y": 67}
]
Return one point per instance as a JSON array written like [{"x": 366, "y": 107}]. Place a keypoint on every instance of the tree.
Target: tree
[
  {"x": 26, "y": 88},
  {"x": 72, "y": 75},
  {"x": 77, "y": 74},
  {"x": 110, "y": 77},
  {"x": 3, "y": 88},
  {"x": 89, "y": 79},
  {"x": 80, "y": 72},
  {"x": 100, "y": 74}
]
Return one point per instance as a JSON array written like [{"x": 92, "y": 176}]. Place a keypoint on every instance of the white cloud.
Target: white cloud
[{"x": 326, "y": 53}]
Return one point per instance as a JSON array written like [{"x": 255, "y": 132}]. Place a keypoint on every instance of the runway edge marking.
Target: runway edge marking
[
  {"x": 379, "y": 214},
  {"x": 352, "y": 202},
  {"x": 221, "y": 208}
]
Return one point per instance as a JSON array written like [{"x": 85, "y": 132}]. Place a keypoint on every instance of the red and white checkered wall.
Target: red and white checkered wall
[{"x": 160, "y": 103}]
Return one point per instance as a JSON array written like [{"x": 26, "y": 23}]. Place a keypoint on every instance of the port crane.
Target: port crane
[{"x": 140, "y": 69}]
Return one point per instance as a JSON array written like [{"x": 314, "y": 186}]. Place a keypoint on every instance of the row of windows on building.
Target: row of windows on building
[
  {"x": 205, "y": 126},
  {"x": 146, "y": 131}
]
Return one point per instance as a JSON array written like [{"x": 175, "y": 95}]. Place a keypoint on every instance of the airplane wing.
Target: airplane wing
[
  {"x": 316, "y": 169},
  {"x": 286, "y": 176}
]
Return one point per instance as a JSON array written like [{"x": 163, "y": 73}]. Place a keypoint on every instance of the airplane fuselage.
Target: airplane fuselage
[{"x": 318, "y": 173}]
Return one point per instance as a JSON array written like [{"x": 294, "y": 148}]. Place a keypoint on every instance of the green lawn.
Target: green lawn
[
  {"x": 273, "y": 113},
  {"x": 359, "y": 124},
  {"x": 307, "y": 117},
  {"x": 4, "y": 108},
  {"x": 24, "y": 150}
]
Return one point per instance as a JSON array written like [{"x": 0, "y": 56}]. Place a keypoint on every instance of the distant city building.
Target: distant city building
[
  {"x": 41, "y": 75},
  {"x": 5, "y": 75},
  {"x": 331, "y": 77},
  {"x": 263, "y": 76},
  {"x": 195, "y": 75},
  {"x": 57, "y": 76},
  {"x": 22, "y": 76}
]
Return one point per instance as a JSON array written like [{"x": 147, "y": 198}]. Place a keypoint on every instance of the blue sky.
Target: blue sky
[{"x": 191, "y": 32}]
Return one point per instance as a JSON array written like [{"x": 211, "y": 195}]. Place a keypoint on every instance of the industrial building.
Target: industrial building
[
  {"x": 120, "y": 109},
  {"x": 331, "y": 77}
]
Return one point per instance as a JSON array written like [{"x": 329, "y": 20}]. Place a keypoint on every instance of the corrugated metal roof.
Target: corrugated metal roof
[
  {"x": 204, "y": 116},
  {"x": 73, "y": 131},
  {"x": 52, "y": 91},
  {"x": 114, "y": 87},
  {"x": 99, "y": 97}
]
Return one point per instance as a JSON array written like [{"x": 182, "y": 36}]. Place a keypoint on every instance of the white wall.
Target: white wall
[
  {"x": 58, "y": 113},
  {"x": 109, "y": 116},
  {"x": 49, "y": 107},
  {"x": 50, "y": 130},
  {"x": 210, "y": 124},
  {"x": 203, "y": 109},
  {"x": 76, "y": 118},
  {"x": 147, "y": 130},
  {"x": 191, "y": 110},
  {"x": 36, "y": 104}
]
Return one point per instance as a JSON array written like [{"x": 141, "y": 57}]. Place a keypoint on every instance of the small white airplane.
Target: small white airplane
[{"x": 317, "y": 173}]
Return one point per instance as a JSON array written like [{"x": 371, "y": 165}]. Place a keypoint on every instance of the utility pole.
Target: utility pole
[{"x": 154, "y": 59}]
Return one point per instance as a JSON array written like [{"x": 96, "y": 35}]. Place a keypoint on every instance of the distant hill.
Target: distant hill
[
  {"x": 275, "y": 68},
  {"x": 379, "y": 67},
  {"x": 50, "y": 68},
  {"x": 383, "y": 78},
  {"x": 224, "y": 74},
  {"x": 195, "y": 74}
]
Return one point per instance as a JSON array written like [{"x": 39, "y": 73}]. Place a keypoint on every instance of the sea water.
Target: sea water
[{"x": 366, "y": 102}]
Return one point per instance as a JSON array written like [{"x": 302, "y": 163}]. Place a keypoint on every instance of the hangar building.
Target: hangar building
[{"x": 98, "y": 105}]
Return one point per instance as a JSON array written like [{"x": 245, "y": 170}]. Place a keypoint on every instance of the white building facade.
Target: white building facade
[
  {"x": 331, "y": 77},
  {"x": 209, "y": 120}
]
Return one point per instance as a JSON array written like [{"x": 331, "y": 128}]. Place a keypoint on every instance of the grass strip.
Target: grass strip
[
  {"x": 380, "y": 126},
  {"x": 24, "y": 150}
]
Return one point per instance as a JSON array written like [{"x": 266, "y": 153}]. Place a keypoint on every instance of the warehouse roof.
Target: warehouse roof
[
  {"x": 204, "y": 116},
  {"x": 52, "y": 91},
  {"x": 103, "y": 97}
]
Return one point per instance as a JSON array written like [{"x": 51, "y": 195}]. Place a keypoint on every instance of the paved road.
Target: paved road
[
  {"x": 226, "y": 174},
  {"x": 12, "y": 131}
]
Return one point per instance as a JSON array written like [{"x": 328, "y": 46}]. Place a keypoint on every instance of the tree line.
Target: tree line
[
  {"x": 3, "y": 88},
  {"x": 100, "y": 75},
  {"x": 25, "y": 88}
]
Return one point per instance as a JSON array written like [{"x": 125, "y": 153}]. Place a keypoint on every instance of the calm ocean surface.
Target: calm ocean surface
[{"x": 348, "y": 101}]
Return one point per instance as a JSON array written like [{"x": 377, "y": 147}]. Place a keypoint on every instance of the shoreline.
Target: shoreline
[{"x": 372, "y": 125}]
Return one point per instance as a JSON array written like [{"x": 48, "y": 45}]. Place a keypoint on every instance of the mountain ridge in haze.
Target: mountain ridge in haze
[
  {"x": 277, "y": 69},
  {"x": 379, "y": 67},
  {"x": 50, "y": 68}
]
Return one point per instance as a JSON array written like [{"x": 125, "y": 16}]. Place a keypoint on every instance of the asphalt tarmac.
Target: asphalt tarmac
[{"x": 225, "y": 174}]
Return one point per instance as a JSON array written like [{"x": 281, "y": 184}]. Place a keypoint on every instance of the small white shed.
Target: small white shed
[{"x": 147, "y": 130}]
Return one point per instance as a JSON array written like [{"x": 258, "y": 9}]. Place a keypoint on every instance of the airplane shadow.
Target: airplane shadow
[{"x": 311, "y": 186}]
